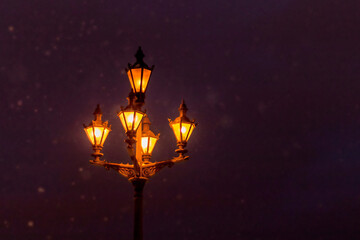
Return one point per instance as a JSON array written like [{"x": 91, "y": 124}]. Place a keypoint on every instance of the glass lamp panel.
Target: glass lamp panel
[
  {"x": 122, "y": 120},
  {"x": 90, "y": 134},
  {"x": 190, "y": 132},
  {"x": 144, "y": 144},
  {"x": 106, "y": 132},
  {"x": 148, "y": 144},
  {"x": 129, "y": 116},
  {"x": 176, "y": 129},
  {"x": 138, "y": 118},
  {"x": 136, "y": 80},
  {"x": 145, "y": 80},
  {"x": 185, "y": 128},
  {"x": 98, "y": 132},
  {"x": 152, "y": 144}
]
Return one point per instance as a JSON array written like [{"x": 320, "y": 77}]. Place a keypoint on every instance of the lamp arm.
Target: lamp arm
[
  {"x": 151, "y": 169},
  {"x": 127, "y": 170},
  {"x": 145, "y": 171}
]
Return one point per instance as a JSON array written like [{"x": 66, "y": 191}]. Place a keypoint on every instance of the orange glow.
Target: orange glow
[
  {"x": 183, "y": 135},
  {"x": 148, "y": 144},
  {"x": 130, "y": 119},
  {"x": 97, "y": 135},
  {"x": 136, "y": 81}
]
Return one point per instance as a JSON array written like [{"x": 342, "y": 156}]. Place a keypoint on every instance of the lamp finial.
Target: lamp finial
[
  {"x": 97, "y": 113},
  {"x": 139, "y": 55}
]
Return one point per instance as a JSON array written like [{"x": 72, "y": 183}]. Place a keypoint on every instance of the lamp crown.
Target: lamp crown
[
  {"x": 139, "y": 55},
  {"x": 131, "y": 98},
  {"x": 97, "y": 113},
  {"x": 146, "y": 123},
  {"x": 183, "y": 108}
]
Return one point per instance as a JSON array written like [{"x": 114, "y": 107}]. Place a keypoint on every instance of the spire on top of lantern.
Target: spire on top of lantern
[{"x": 139, "y": 75}]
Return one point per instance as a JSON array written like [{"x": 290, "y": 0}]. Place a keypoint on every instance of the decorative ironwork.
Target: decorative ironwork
[
  {"x": 148, "y": 171},
  {"x": 127, "y": 172},
  {"x": 145, "y": 171}
]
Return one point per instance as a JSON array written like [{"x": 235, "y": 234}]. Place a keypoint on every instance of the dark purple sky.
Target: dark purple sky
[{"x": 275, "y": 86}]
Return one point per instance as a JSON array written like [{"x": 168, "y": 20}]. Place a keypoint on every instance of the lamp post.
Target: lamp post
[{"x": 140, "y": 139}]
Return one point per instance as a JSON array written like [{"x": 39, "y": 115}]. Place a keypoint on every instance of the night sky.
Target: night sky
[{"x": 274, "y": 86}]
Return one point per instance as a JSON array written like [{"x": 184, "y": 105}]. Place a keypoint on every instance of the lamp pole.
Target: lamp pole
[
  {"x": 139, "y": 185},
  {"x": 140, "y": 139}
]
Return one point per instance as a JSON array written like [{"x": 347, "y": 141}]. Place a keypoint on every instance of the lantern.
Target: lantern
[
  {"x": 97, "y": 132},
  {"x": 182, "y": 126},
  {"x": 130, "y": 116},
  {"x": 148, "y": 138},
  {"x": 139, "y": 75}
]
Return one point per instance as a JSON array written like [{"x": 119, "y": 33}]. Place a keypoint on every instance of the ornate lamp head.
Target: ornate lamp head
[
  {"x": 183, "y": 128},
  {"x": 148, "y": 139},
  {"x": 97, "y": 132},
  {"x": 130, "y": 116},
  {"x": 139, "y": 75}
]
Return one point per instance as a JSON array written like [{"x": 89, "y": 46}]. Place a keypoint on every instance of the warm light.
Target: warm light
[
  {"x": 148, "y": 144},
  {"x": 182, "y": 126},
  {"x": 139, "y": 78},
  {"x": 97, "y": 131},
  {"x": 144, "y": 143},
  {"x": 97, "y": 135},
  {"x": 130, "y": 119},
  {"x": 184, "y": 134},
  {"x": 139, "y": 73},
  {"x": 183, "y": 130}
]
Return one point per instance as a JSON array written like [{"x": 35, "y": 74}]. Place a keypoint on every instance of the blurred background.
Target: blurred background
[{"x": 274, "y": 86}]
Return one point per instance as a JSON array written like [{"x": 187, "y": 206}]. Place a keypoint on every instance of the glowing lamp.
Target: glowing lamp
[
  {"x": 97, "y": 131},
  {"x": 139, "y": 75},
  {"x": 148, "y": 138},
  {"x": 131, "y": 117},
  {"x": 182, "y": 126}
]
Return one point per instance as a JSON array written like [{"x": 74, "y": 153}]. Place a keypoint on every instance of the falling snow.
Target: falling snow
[
  {"x": 30, "y": 224},
  {"x": 274, "y": 86}
]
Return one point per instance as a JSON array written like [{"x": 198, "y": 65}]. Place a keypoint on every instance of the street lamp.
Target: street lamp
[
  {"x": 139, "y": 75},
  {"x": 140, "y": 139},
  {"x": 97, "y": 132},
  {"x": 182, "y": 128}
]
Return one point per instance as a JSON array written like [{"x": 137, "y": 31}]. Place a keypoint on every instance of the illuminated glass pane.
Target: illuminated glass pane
[
  {"x": 148, "y": 146},
  {"x": 90, "y": 134},
  {"x": 106, "y": 132},
  {"x": 122, "y": 119},
  {"x": 136, "y": 73},
  {"x": 136, "y": 78},
  {"x": 98, "y": 131},
  {"x": 152, "y": 144},
  {"x": 185, "y": 128},
  {"x": 128, "y": 120},
  {"x": 190, "y": 132},
  {"x": 176, "y": 129},
  {"x": 146, "y": 76},
  {"x": 129, "y": 116},
  {"x": 144, "y": 144},
  {"x": 138, "y": 118},
  {"x": 95, "y": 135}
]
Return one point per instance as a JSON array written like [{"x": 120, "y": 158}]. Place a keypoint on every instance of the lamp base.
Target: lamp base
[
  {"x": 97, "y": 154},
  {"x": 181, "y": 150}
]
